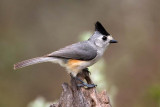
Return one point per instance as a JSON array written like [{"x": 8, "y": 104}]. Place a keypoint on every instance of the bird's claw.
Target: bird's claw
[
  {"x": 83, "y": 84},
  {"x": 87, "y": 70},
  {"x": 86, "y": 85}
]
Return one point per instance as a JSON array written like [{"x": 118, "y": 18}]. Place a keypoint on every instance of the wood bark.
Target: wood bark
[{"x": 73, "y": 96}]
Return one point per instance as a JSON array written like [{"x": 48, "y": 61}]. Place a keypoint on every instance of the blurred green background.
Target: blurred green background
[{"x": 31, "y": 28}]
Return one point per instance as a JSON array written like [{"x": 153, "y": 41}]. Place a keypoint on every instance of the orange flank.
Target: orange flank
[
  {"x": 74, "y": 61},
  {"x": 74, "y": 65}
]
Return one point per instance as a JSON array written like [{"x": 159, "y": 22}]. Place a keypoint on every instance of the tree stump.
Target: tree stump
[{"x": 73, "y": 96}]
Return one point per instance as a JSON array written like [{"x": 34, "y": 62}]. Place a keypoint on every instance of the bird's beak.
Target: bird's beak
[{"x": 113, "y": 41}]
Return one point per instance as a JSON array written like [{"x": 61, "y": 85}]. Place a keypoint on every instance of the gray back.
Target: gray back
[{"x": 80, "y": 51}]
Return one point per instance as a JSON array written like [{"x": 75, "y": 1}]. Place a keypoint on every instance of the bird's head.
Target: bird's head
[{"x": 101, "y": 37}]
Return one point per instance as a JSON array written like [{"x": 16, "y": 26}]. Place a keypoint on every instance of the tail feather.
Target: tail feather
[{"x": 32, "y": 61}]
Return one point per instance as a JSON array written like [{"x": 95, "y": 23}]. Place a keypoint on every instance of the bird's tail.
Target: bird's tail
[{"x": 33, "y": 61}]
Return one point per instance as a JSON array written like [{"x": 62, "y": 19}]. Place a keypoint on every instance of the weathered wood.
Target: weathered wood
[{"x": 73, "y": 96}]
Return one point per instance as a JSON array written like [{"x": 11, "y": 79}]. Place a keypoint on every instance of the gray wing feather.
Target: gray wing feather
[{"x": 79, "y": 51}]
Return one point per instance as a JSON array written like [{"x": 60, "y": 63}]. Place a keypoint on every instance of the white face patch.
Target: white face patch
[
  {"x": 110, "y": 37},
  {"x": 99, "y": 42}
]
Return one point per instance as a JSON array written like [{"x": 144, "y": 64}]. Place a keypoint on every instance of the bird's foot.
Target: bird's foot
[
  {"x": 86, "y": 85},
  {"x": 87, "y": 70},
  {"x": 83, "y": 84}
]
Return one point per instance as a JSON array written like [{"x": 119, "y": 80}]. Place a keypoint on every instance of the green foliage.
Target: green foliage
[
  {"x": 39, "y": 102},
  {"x": 154, "y": 92}
]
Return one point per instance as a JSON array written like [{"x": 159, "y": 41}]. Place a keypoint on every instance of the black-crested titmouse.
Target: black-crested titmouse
[{"x": 78, "y": 56}]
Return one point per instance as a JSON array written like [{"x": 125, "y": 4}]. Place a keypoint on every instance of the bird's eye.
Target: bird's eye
[{"x": 104, "y": 38}]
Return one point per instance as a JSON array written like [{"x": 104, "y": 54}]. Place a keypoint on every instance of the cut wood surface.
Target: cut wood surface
[{"x": 73, "y": 96}]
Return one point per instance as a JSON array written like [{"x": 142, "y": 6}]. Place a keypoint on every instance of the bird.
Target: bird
[{"x": 78, "y": 56}]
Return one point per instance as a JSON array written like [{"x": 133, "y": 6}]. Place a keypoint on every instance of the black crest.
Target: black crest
[{"x": 100, "y": 28}]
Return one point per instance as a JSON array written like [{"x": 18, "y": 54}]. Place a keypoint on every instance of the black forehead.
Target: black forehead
[{"x": 101, "y": 29}]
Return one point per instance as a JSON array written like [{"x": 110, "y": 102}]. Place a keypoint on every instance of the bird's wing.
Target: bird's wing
[{"x": 79, "y": 51}]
